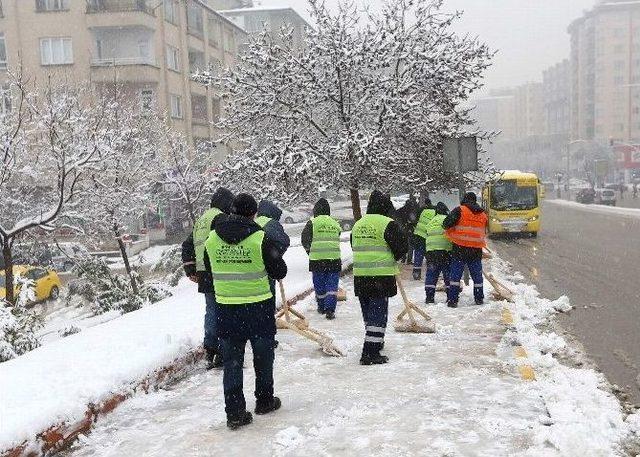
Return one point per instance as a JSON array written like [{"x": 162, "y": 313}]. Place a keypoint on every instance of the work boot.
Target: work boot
[
  {"x": 268, "y": 406},
  {"x": 330, "y": 315},
  {"x": 479, "y": 302},
  {"x": 218, "y": 361},
  {"x": 242, "y": 419},
  {"x": 321, "y": 311},
  {"x": 373, "y": 359},
  {"x": 452, "y": 304},
  {"x": 417, "y": 275},
  {"x": 430, "y": 301}
]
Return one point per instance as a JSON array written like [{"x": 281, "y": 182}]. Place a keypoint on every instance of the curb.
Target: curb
[
  {"x": 526, "y": 371},
  {"x": 61, "y": 436}
]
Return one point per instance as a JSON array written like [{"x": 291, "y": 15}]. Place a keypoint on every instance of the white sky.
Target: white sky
[{"x": 530, "y": 35}]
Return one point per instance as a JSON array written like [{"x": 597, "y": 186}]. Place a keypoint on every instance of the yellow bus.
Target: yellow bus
[{"x": 513, "y": 203}]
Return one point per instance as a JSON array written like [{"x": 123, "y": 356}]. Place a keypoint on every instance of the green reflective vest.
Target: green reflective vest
[
  {"x": 239, "y": 273},
  {"x": 436, "y": 239},
  {"x": 371, "y": 253},
  {"x": 263, "y": 220},
  {"x": 425, "y": 218},
  {"x": 325, "y": 244},
  {"x": 201, "y": 231}
]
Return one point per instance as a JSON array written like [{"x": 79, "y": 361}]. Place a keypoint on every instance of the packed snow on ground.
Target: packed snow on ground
[
  {"x": 57, "y": 381},
  {"x": 633, "y": 212},
  {"x": 453, "y": 393},
  {"x": 144, "y": 258}
]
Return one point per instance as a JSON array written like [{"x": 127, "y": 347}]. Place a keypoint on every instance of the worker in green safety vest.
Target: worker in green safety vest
[
  {"x": 241, "y": 258},
  {"x": 321, "y": 239},
  {"x": 194, "y": 267},
  {"x": 438, "y": 253},
  {"x": 419, "y": 237},
  {"x": 378, "y": 242}
]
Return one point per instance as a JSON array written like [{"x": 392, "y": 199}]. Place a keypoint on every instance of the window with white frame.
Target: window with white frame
[
  {"x": 173, "y": 58},
  {"x": 52, "y": 5},
  {"x": 56, "y": 51},
  {"x": 5, "y": 100},
  {"x": 147, "y": 102},
  {"x": 3, "y": 52},
  {"x": 176, "y": 107},
  {"x": 171, "y": 12}
]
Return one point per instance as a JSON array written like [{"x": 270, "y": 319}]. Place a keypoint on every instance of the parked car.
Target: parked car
[
  {"x": 579, "y": 184},
  {"x": 605, "y": 196},
  {"x": 586, "y": 196},
  {"x": 47, "y": 282},
  {"x": 295, "y": 215}
]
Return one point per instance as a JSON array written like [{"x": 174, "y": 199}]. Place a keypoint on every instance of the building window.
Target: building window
[
  {"x": 618, "y": 80},
  {"x": 228, "y": 41},
  {"x": 171, "y": 12},
  {"x": 196, "y": 61},
  {"x": 3, "y": 52},
  {"x": 1, "y": 13},
  {"x": 213, "y": 31},
  {"x": 176, "y": 107},
  {"x": 56, "y": 51},
  {"x": 199, "y": 108},
  {"x": 5, "y": 100},
  {"x": 195, "y": 20},
  {"x": 52, "y": 5},
  {"x": 147, "y": 102},
  {"x": 215, "y": 109},
  {"x": 173, "y": 58}
]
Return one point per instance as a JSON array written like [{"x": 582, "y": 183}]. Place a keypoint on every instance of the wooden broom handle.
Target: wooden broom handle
[{"x": 285, "y": 305}]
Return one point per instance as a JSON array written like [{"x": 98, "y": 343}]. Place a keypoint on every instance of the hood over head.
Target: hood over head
[
  {"x": 222, "y": 199},
  {"x": 244, "y": 205},
  {"x": 380, "y": 203},
  {"x": 442, "y": 209},
  {"x": 470, "y": 200},
  {"x": 321, "y": 208},
  {"x": 269, "y": 209}
]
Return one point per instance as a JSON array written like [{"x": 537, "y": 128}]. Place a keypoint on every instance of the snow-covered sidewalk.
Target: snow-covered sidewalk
[
  {"x": 455, "y": 393},
  {"x": 602, "y": 209}
]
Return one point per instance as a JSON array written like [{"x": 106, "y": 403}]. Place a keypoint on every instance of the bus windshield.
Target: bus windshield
[{"x": 508, "y": 195}]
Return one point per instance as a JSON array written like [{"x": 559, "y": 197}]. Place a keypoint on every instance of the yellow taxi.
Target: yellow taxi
[{"x": 47, "y": 283}]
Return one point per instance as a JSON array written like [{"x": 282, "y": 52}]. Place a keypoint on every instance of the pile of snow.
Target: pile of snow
[
  {"x": 585, "y": 418},
  {"x": 602, "y": 209},
  {"x": 56, "y": 382}
]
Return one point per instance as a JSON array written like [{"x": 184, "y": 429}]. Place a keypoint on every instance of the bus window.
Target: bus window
[{"x": 507, "y": 195}]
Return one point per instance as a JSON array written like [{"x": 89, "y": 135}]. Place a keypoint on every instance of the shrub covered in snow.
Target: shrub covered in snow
[
  {"x": 19, "y": 325},
  {"x": 106, "y": 290},
  {"x": 170, "y": 263}
]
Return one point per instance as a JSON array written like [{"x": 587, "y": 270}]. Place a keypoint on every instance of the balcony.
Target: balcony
[
  {"x": 124, "y": 13},
  {"x": 125, "y": 69},
  {"x": 119, "y": 6}
]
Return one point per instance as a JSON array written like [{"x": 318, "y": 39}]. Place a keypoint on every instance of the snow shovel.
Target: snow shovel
[
  {"x": 500, "y": 291},
  {"x": 283, "y": 321},
  {"x": 411, "y": 326}
]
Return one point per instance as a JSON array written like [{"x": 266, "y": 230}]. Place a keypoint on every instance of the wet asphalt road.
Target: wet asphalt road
[{"x": 595, "y": 260}]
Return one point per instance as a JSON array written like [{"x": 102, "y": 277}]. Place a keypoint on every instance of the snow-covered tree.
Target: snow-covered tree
[
  {"x": 18, "y": 324},
  {"x": 49, "y": 141},
  {"x": 186, "y": 180},
  {"x": 365, "y": 103},
  {"x": 117, "y": 191}
]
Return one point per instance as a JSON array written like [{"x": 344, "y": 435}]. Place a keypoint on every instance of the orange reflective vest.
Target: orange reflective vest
[{"x": 470, "y": 231}]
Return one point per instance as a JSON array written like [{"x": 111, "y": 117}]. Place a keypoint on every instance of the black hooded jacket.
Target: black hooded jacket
[
  {"x": 408, "y": 215},
  {"x": 462, "y": 252},
  {"x": 274, "y": 229},
  {"x": 252, "y": 319},
  {"x": 221, "y": 199},
  {"x": 396, "y": 238},
  {"x": 321, "y": 208}
]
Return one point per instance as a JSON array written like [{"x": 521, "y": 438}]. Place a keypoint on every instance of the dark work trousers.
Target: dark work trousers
[
  {"x": 457, "y": 268},
  {"x": 375, "y": 311},
  {"x": 210, "y": 337},
  {"x": 431, "y": 276},
  {"x": 233, "y": 355},
  {"x": 325, "y": 284},
  {"x": 409, "y": 257},
  {"x": 418, "y": 253}
]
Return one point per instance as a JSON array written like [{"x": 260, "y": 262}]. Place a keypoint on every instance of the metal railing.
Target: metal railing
[
  {"x": 118, "y": 6},
  {"x": 117, "y": 61}
]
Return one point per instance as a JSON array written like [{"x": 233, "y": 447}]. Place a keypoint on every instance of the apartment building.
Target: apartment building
[
  {"x": 556, "y": 91},
  {"x": 529, "y": 112},
  {"x": 150, "y": 47},
  {"x": 605, "y": 72},
  {"x": 255, "y": 20},
  {"x": 496, "y": 112}
]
